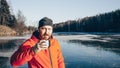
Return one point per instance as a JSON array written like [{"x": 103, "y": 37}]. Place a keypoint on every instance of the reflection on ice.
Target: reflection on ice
[
  {"x": 7, "y": 47},
  {"x": 88, "y": 56},
  {"x": 3, "y": 62}
]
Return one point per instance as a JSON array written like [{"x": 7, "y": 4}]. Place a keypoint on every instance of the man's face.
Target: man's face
[{"x": 45, "y": 32}]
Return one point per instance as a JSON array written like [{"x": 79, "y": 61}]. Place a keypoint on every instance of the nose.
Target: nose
[{"x": 47, "y": 31}]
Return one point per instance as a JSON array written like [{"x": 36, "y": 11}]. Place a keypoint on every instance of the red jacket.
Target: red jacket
[{"x": 40, "y": 60}]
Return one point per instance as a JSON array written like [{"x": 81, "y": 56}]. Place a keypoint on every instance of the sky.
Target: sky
[{"x": 61, "y": 10}]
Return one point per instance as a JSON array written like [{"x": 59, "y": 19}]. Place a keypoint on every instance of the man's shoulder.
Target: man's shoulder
[{"x": 54, "y": 39}]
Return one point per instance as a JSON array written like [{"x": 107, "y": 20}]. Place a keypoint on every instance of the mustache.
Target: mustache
[{"x": 46, "y": 35}]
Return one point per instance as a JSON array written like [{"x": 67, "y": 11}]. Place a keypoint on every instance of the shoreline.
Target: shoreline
[{"x": 87, "y": 37}]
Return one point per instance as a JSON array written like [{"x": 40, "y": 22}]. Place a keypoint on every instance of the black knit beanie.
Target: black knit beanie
[{"x": 45, "y": 21}]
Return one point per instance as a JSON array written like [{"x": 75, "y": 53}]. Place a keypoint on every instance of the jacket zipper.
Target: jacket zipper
[{"x": 50, "y": 56}]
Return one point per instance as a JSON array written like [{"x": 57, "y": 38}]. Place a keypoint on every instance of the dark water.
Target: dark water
[{"x": 77, "y": 53}]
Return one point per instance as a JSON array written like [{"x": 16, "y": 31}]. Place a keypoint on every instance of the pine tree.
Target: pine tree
[{"x": 5, "y": 17}]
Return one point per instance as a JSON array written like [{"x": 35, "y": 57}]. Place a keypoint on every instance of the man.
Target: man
[{"x": 41, "y": 50}]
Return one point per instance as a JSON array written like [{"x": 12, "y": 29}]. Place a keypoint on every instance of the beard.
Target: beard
[{"x": 45, "y": 37}]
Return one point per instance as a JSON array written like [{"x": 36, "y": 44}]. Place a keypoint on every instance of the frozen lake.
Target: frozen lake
[{"x": 80, "y": 51}]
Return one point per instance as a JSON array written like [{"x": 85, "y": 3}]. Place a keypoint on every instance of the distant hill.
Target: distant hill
[{"x": 7, "y": 31}]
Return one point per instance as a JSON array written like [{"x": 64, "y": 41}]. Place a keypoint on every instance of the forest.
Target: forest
[
  {"x": 15, "y": 22},
  {"x": 105, "y": 22}
]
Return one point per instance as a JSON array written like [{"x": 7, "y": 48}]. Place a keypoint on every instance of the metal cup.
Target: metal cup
[{"x": 46, "y": 43}]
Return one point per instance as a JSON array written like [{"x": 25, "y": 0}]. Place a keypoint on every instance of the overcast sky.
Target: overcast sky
[{"x": 61, "y": 10}]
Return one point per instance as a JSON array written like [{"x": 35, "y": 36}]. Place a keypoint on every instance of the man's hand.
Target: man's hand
[{"x": 41, "y": 45}]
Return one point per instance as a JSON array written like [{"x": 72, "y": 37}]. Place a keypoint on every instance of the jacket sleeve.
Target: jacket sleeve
[
  {"x": 23, "y": 54},
  {"x": 61, "y": 63}
]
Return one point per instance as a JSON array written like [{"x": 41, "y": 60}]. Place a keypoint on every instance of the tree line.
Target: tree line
[
  {"x": 106, "y": 22},
  {"x": 16, "y": 22}
]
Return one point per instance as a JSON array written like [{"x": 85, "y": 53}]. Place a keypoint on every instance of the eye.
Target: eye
[
  {"x": 42, "y": 28},
  {"x": 49, "y": 29}
]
